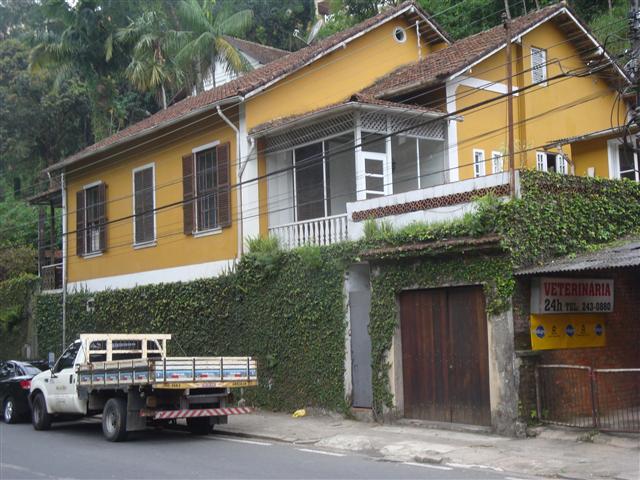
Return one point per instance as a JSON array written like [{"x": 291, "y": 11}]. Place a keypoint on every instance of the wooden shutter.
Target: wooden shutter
[
  {"x": 187, "y": 193},
  {"x": 102, "y": 215},
  {"x": 223, "y": 185},
  {"x": 149, "y": 215},
  {"x": 80, "y": 227},
  {"x": 144, "y": 214}
]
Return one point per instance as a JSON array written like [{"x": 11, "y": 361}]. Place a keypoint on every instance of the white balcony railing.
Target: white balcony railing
[{"x": 319, "y": 231}]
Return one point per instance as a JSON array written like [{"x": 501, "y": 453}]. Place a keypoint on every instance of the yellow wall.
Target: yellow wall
[
  {"x": 591, "y": 153},
  {"x": 564, "y": 108},
  {"x": 173, "y": 247},
  {"x": 336, "y": 76}
]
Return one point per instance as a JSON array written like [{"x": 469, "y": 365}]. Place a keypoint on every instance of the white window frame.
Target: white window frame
[
  {"x": 541, "y": 67},
  {"x": 209, "y": 231},
  {"x": 561, "y": 161},
  {"x": 614, "y": 159},
  {"x": 94, "y": 253},
  {"x": 541, "y": 161},
  {"x": 495, "y": 158},
  {"x": 152, "y": 242},
  {"x": 479, "y": 168}
]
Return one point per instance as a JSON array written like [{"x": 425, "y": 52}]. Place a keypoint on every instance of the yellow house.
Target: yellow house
[{"x": 386, "y": 119}]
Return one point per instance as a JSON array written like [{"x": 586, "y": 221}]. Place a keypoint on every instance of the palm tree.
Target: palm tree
[
  {"x": 152, "y": 67},
  {"x": 206, "y": 38}
]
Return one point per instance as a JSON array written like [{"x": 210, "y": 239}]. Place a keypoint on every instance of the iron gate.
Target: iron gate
[{"x": 606, "y": 399}]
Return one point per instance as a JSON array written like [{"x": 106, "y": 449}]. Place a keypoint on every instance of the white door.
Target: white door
[
  {"x": 62, "y": 395},
  {"x": 376, "y": 178}
]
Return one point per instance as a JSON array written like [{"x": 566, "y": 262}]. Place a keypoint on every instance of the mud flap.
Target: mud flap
[{"x": 134, "y": 405}]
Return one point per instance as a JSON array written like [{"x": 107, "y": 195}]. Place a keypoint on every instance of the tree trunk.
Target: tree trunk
[{"x": 164, "y": 97}]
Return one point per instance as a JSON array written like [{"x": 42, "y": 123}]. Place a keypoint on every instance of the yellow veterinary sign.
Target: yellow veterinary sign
[{"x": 567, "y": 331}]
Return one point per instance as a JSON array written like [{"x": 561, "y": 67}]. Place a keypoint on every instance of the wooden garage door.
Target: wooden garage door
[{"x": 444, "y": 355}]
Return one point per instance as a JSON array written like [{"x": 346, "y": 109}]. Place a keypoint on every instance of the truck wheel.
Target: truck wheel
[
  {"x": 199, "y": 426},
  {"x": 114, "y": 420},
  {"x": 40, "y": 418},
  {"x": 9, "y": 411}
]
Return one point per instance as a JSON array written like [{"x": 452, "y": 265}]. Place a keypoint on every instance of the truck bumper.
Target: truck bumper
[{"x": 194, "y": 412}]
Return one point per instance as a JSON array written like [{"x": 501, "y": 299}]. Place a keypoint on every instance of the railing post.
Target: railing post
[
  {"x": 594, "y": 402},
  {"x": 538, "y": 401}
]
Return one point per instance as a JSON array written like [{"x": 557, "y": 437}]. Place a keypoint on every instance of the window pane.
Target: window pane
[
  {"x": 309, "y": 181},
  {"x": 431, "y": 162},
  {"x": 206, "y": 181},
  {"x": 631, "y": 175},
  {"x": 375, "y": 184},
  {"x": 626, "y": 158},
  {"x": 341, "y": 172},
  {"x": 404, "y": 154},
  {"x": 373, "y": 142}
]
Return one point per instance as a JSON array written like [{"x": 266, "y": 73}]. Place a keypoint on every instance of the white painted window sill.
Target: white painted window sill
[
  {"x": 206, "y": 233},
  {"x": 139, "y": 246},
  {"x": 92, "y": 255}
]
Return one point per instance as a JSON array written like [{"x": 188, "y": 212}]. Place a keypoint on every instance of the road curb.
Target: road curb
[{"x": 231, "y": 433}]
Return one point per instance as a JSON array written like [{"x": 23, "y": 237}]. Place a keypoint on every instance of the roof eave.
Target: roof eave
[
  {"x": 137, "y": 136},
  {"x": 350, "y": 105}
]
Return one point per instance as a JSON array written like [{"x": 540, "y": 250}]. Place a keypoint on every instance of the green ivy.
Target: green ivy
[
  {"x": 16, "y": 296},
  {"x": 292, "y": 319}
]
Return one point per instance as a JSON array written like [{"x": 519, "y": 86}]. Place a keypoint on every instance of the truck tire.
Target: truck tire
[
  {"x": 9, "y": 411},
  {"x": 199, "y": 426},
  {"x": 40, "y": 418},
  {"x": 114, "y": 420}
]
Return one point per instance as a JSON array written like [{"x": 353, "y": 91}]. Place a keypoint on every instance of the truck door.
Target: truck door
[{"x": 61, "y": 391}]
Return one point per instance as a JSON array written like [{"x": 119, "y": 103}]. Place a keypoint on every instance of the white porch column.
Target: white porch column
[
  {"x": 452, "y": 133},
  {"x": 360, "y": 167},
  {"x": 250, "y": 195}
]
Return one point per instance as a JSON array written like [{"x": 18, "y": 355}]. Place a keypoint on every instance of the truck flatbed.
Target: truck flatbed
[{"x": 170, "y": 373}]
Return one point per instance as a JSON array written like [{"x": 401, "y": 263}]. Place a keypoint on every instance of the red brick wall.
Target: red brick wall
[{"x": 615, "y": 390}]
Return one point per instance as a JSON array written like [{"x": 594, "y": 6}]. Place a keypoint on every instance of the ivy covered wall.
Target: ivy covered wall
[
  {"x": 286, "y": 309},
  {"x": 16, "y": 320}
]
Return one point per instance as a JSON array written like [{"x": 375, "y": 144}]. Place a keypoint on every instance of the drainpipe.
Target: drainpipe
[
  {"x": 418, "y": 37},
  {"x": 239, "y": 176},
  {"x": 63, "y": 189}
]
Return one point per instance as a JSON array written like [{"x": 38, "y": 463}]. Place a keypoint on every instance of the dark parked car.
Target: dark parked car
[{"x": 15, "y": 381}]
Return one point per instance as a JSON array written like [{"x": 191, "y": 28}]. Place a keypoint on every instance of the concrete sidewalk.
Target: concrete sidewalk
[{"x": 558, "y": 453}]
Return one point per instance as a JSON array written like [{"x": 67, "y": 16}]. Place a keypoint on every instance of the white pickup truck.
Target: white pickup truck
[{"x": 129, "y": 379}]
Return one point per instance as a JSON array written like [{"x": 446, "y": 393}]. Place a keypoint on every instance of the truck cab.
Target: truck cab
[{"x": 58, "y": 385}]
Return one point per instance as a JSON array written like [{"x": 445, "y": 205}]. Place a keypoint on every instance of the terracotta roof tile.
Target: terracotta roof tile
[
  {"x": 441, "y": 64},
  {"x": 238, "y": 87}
]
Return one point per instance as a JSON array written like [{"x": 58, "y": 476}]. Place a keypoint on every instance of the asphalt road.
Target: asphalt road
[{"x": 78, "y": 450}]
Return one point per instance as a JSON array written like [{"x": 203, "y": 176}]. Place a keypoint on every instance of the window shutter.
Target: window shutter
[
  {"x": 223, "y": 186},
  {"x": 102, "y": 215},
  {"x": 80, "y": 227},
  {"x": 149, "y": 214},
  {"x": 187, "y": 193}
]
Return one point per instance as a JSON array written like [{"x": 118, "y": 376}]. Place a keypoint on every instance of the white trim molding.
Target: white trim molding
[
  {"x": 184, "y": 273},
  {"x": 207, "y": 146}
]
